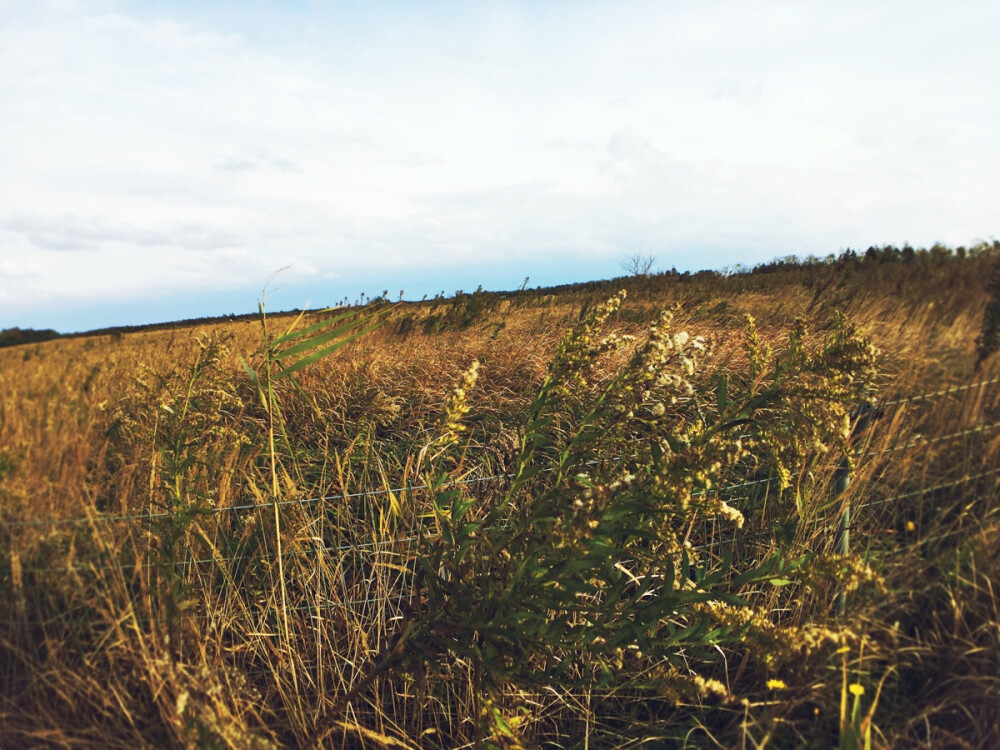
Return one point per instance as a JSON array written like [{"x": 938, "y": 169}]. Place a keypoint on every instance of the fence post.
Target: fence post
[
  {"x": 862, "y": 418},
  {"x": 842, "y": 482}
]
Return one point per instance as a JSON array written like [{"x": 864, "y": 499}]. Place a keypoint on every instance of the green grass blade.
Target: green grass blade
[
  {"x": 316, "y": 356},
  {"x": 326, "y": 336},
  {"x": 318, "y": 340},
  {"x": 292, "y": 335}
]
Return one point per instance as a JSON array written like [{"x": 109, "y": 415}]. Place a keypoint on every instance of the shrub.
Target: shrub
[{"x": 586, "y": 560}]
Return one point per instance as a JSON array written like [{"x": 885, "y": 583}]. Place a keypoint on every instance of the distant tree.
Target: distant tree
[
  {"x": 16, "y": 336},
  {"x": 639, "y": 264}
]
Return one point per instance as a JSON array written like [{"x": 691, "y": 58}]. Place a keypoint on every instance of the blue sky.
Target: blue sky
[{"x": 162, "y": 160}]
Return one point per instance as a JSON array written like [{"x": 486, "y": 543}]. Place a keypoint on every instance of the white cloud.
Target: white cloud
[
  {"x": 173, "y": 147},
  {"x": 71, "y": 232},
  {"x": 253, "y": 157},
  {"x": 20, "y": 268}
]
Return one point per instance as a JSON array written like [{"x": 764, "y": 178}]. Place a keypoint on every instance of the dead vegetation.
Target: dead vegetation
[{"x": 629, "y": 536}]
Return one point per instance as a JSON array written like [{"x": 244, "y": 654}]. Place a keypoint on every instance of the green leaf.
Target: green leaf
[
  {"x": 249, "y": 370},
  {"x": 761, "y": 573},
  {"x": 460, "y": 507},
  {"x": 316, "y": 356},
  {"x": 321, "y": 338},
  {"x": 291, "y": 335}
]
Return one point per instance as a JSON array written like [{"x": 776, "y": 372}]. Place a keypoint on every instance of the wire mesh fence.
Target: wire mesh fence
[
  {"x": 916, "y": 441},
  {"x": 413, "y": 536}
]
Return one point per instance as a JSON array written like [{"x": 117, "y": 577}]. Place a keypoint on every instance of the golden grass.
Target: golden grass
[{"x": 183, "y": 632}]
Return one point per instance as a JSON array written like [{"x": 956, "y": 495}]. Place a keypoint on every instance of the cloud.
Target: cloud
[
  {"x": 20, "y": 268},
  {"x": 184, "y": 147},
  {"x": 68, "y": 232},
  {"x": 254, "y": 157},
  {"x": 727, "y": 88}
]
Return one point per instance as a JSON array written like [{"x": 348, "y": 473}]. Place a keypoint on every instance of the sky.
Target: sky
[{"x": 166, "y": 160}]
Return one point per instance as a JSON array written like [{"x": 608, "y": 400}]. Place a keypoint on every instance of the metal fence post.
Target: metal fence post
[
  {"x": 842, "y": 480},
  {"x": 862, "y": 418}
]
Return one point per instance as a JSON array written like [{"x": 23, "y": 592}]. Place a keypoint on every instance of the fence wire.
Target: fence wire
[
  {"x": 84, "y": 520},
  {"x": 922, "y": 440},
  {"x": 374, "y": 544},
  {"x": 939, "y": 394},
  {"x": 926, "y": 490}
]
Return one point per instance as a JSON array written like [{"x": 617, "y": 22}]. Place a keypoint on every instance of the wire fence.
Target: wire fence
[
  {"x": 85, "y": 520},
  {"x": 922, "y": 440},
  {"x": 150, "y": 516},
  {"x": 968, "y": 479},
  {"x": 372, "y": 545},
  {"x": 411, "y": 538},
  {"x": 941, "y": 393},
  {"x": 94, "y": 519}
]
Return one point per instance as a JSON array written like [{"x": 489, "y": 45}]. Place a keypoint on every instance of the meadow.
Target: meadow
[{"x": 755, "y": 509}]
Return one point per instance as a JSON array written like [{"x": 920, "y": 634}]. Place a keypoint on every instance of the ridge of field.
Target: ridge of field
[{"x": 183, "y": 633}]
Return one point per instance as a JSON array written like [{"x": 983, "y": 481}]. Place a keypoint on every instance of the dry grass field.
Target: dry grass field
[{"x": 550, "y": 518}]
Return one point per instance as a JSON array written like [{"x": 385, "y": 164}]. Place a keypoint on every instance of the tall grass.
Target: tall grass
[{"x": 601, "y": 591}]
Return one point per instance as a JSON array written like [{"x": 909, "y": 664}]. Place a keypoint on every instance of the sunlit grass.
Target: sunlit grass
[{"x": 287, "y": 625}]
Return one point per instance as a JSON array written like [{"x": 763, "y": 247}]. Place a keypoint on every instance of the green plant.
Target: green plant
[
  {"x": 464, "y": 311},
  {"x": 181, "y": 423},
  {"x": 855, "y": 728},
  {"x": 8, "y": 465},
  {"x": 586, "y": 562},
  {"x": 281, "y": 357}
]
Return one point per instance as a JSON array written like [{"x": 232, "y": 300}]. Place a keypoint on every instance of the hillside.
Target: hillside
[{"x": 529, "y": 518}]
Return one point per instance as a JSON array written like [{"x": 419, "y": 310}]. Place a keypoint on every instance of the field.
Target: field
[{"x": 553, "y": 517}]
